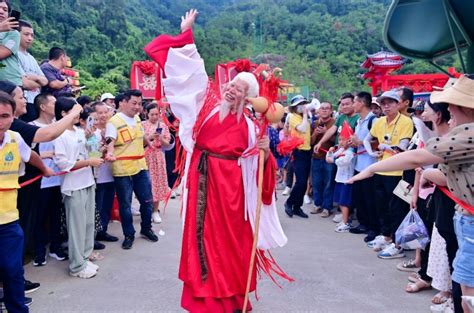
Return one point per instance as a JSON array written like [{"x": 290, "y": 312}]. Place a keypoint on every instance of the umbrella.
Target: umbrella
[{"x": 429, "y": 29}]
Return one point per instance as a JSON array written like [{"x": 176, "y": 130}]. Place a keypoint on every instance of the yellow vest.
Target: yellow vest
[
  {"x": 10, "y": 160},
  {"x": 295, "y": 120},
  {"x": 129, "y": 142}
]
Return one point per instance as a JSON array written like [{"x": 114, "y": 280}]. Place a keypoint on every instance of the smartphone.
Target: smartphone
[
  {"x": 90, "y": 122},
  {"x": 159, "y": 130},
  {"x": 16, "y": 15},
  {"x": 397, "y": 149}
]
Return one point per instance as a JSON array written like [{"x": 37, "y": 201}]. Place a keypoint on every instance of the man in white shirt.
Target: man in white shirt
[
  {"x": 50, "y": 202},
  {"x": 33, "y": 78}
]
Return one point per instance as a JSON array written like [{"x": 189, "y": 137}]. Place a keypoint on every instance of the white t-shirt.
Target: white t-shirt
[
  {"x": 25, "y": 151},
  {"x": 30, "y": 66},
  {"x": 111, "y": 131},
  {"x": 104, "y": 172},
  {"x": 53, "y": 181},
  {"x": 69, "y": 148},
  {"x": 345, "y": 162}
]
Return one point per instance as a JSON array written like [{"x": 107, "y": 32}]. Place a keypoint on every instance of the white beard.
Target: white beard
[{"x": 225, "y": 109}]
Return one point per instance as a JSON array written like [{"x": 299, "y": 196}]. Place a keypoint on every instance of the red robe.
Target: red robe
[{"x": 228, "y": 237}]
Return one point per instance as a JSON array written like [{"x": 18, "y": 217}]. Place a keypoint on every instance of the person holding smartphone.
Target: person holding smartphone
[
  {"x": 158, "y": 134},
  {"x": 9, "y": 47}
]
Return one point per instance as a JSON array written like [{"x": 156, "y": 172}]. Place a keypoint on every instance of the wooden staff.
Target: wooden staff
[{"x": 261, "y": 164}]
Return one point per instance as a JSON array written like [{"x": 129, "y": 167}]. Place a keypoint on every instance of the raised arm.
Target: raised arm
[
  {"x": 402, "y": 161},
  {"x": 53, "y": 131},
  {"x": 185, "y": 83}
]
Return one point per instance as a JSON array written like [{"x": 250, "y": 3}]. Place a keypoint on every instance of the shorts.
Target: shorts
[
  {"x": 463, "y": 270},
  {"x": 343, "y": 194}
]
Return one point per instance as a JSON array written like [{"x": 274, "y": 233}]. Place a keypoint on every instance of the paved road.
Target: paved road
[{"x": 333, "y": 272}]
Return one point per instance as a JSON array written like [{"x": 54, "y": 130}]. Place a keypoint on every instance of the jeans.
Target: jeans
[
  {"x": 49, "y": 213},
  {"x": 125, "y": 186},
  {"x": 11, "y": 267},
  {"x": 322, "y": 175},
  {"x": 104, "y": 199},
  {"x": 301, "y": 166}
]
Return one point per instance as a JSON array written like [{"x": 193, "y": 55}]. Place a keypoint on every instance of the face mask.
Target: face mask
[{"x": 299, "y": 109}]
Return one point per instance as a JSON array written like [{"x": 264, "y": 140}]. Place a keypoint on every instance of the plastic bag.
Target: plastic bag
[{"x": 412, "y": 233}]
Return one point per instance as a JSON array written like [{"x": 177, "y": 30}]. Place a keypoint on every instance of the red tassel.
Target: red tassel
[{"x": 269, "y": 266}]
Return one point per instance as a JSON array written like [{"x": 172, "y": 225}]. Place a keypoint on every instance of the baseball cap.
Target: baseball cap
[
  {"x": 391, "y": 94},
  {"x": 106, "y": 95}
]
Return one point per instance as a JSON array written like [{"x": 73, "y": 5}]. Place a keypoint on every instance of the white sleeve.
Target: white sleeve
[
  {"x": 185, "y": 88},
  {"x": 346, "y": 159},
  {"x": 423, "y": 131},
  {"x": 304, "y": 125},
  {"x": 110, "y": 131},
  {"x": 25, "y": 151},
  {"x": 61, "y": 157}
]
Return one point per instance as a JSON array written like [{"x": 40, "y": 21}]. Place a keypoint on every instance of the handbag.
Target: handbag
[{"x": 404, "y": 191}]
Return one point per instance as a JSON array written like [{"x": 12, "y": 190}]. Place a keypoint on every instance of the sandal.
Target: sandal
[
  {"x": 96, "y": 256},
  {"x": 414, "y": 277},
  {"x": 408, "y": 266},
  {"x": 417, "y": 286},
  {"x": 441, "y": 297}
]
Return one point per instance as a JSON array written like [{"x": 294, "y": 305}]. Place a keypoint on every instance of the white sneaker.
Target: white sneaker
[
  {"x": 380, "y": 244},
  {"x": 135, "y": 211},
  {"x": 306, "y": 199},
  {"x": 93, "y": 266},
  {"x": 286, "y": 192},
  {"x": 342, "y": 228},
  {"x": 155, "y": 217},
  {"x": 377, "y": 241},
  {"x": 337, "y": 218},
  {"x": 391, "y": 252},
  {"x": 86, "y": 273}
]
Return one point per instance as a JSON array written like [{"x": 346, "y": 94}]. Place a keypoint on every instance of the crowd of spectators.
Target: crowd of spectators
[
  {"x": 337, "y": 145},
  {"x": 92, "y": 155}
]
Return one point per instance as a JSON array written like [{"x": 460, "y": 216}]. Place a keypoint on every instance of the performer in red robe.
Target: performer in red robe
[{"x": 220, "y": 177}]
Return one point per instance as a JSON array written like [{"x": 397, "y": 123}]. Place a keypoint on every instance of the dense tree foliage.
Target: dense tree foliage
[{"x": 318, "y": 43}]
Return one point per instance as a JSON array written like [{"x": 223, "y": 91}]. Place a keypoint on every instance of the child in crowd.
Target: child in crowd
[
  {"x": 78, "y": 189},
  {"x": 344, "y": 158}
]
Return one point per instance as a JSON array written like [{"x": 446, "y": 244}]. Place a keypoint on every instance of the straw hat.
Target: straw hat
[{"x": 461, "y": 93}]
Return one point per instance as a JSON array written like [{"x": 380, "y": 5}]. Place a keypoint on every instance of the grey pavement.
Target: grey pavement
[{"x": 333, "y": 273}]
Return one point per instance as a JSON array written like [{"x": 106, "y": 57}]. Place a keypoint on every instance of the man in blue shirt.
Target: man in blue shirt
[{"x": 366, "y": 213}]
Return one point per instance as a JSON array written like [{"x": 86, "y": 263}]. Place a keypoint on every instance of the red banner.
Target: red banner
[{"x": 143, "y": 77}]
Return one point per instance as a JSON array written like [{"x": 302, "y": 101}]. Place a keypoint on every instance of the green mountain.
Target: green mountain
[{"x": 318, "y": 43}]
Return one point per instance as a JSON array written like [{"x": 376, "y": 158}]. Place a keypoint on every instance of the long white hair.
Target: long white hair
[{"x": 252, "y": 91}]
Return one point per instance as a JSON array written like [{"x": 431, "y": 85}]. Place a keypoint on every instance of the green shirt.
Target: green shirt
[
  {"x": 340, "y": 120},
  {"x": 11, "y": 69}
]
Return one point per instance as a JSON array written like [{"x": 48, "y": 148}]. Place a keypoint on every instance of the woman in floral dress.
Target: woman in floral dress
[{"x": 158, "y": 134}]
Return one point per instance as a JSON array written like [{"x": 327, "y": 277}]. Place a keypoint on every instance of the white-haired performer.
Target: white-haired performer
[{"x": 220, "y": 180}]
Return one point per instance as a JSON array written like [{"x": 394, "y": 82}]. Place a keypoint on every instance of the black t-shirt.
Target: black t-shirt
[{"x": 27, "y": 132}]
